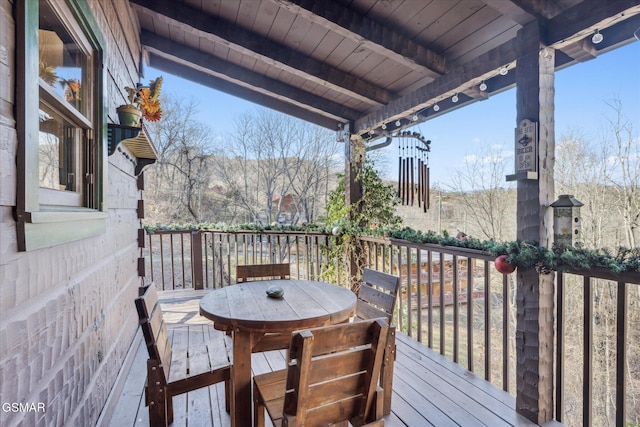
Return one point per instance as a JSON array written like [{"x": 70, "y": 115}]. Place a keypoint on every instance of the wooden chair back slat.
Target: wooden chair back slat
[
  {"x": 377, "y": 295},
  {"x": 154, "y": 329},
  {"x": 333, "y": 371},
  {"x": 254, "y": 271}
]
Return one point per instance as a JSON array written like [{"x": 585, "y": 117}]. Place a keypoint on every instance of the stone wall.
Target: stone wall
[{"x": 67, "y": 316}]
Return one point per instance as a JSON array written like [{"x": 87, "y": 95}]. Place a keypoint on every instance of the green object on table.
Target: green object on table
[{"x": 275, "y": 292}]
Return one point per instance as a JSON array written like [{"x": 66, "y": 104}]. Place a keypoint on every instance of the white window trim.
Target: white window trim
[{"x": 39, "y": 225}]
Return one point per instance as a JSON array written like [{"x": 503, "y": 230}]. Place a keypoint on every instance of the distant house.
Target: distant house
[
  {"x": 70, "y": 206},
  {"x": 286, "y": 207}
]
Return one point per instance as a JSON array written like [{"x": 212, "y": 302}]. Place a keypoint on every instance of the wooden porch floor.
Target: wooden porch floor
[{"x": 428, "y": 389}]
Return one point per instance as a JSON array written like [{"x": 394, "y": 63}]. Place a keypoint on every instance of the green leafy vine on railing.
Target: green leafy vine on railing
[{"x": 523, "y": 254}]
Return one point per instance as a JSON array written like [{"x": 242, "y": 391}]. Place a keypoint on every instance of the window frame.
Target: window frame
[{"x": 40, "y": 225}]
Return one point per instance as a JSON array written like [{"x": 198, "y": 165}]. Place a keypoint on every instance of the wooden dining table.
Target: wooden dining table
[{"x": 259, "y": 322}]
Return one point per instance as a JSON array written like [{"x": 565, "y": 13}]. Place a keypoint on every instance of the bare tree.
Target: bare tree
[
  {"x": 484, "y": 192},
  {"x": 606, "y": 178},
  {"x": 180, "y": 177},
  {"x": 580, "y": 172},
  {"x": 622, "y": 171},
  {"x": 272, "y": 160}
]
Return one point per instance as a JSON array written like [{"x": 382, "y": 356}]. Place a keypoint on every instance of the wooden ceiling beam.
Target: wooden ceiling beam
[
  {"x": 194, "y": 21},
  {"x": 369, "y": 33},
  {"x": 582, "y": 50},
  {"x": 513, "y": 10},
  {"x": 541, "y": 8},
  {"x": 240, "y": 76},
  {"x": 480, "y": 68},
  {"x": 581, "y": 20},
  {"x": 319, "y": 118}
]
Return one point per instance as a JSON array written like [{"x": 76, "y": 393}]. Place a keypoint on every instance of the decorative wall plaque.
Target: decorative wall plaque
[{"x": 526, "y": 151}]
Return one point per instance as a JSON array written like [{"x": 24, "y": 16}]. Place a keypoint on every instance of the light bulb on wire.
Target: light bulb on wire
[
  {"x": 436, "y": 107},
  {"x": 398, "y": 123},
  {"x": 597, "y": 37},
  {"x": 504, "y": 71},
  {"x": 455, "y": 98},
  {"x": 483, "y": 86}
]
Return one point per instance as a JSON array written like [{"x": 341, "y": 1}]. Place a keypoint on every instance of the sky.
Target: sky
[{"x": 581, "y": 93}]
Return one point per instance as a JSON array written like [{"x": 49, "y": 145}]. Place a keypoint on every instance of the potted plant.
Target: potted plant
[{"x": 143, "y": 102}]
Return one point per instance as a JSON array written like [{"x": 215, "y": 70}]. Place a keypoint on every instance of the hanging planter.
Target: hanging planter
[
  {"x": 143, "y": 101},
  {"x": 503, "y": 266},
  {"x": 129, "y": 115}
]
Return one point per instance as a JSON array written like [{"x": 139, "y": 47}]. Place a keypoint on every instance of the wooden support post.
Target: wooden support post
[
  {"x": 196, "y": 260},
  {"x": 354, "y": 159},
  {"x": 534, "y": 297}
]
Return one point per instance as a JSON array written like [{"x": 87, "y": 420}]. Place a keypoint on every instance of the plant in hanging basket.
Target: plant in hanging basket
[
  {"x": 503, "y": 266},
  {"x": 144, "y": 102}
]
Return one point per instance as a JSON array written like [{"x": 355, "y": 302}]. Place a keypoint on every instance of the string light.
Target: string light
[
  {"x": 504, "y": 71},
  {"x": 483, "y": 86},
  {"x": 597, "y": 37},
  {"x": 455, "y": 98},
  {"x": 436, "y": 107},
  {"x": 414, "y": 118},
  {"x": 398, "y": 123},
  {"x": 384, "y": 126}
]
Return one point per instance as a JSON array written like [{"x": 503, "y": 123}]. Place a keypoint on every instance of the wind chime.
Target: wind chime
[{"x": 413, "y": 169}]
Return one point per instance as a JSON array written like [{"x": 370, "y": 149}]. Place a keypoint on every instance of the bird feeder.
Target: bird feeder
[{"x": 566, "y": 220}]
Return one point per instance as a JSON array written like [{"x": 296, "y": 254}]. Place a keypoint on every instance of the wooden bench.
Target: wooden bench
[
  {"x": 172, "y": 373},
  {"x": 255, "y": 271}
]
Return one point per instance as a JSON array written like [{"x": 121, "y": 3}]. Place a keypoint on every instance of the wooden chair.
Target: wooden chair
[
  {"x": 377, "y": 295},
  {"x": 377, "y": 298},
  {"x": 170, "y": 374},
  {"x": 330, "y": 379},
  {"x": 254, "y": 271}
]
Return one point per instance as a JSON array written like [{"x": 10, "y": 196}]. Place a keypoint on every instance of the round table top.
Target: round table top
[{"x": 305, "y": 304}]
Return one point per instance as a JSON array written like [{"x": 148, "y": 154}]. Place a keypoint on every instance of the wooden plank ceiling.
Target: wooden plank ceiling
[{"x": 372, "y": 63}]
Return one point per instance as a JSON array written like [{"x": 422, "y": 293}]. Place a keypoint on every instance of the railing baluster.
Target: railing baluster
[
  {"x": 162, "y": 261},
  {"x": 298, "y": 256},
  {"x": 430, "y": 297},
  {"x": 469, "y": 314},
  {"x": 317, "y": 248},
  {"x": 621, "y": 356},
  {"x": 173, "y": 263},
  {"x": 184, "y": 279},
  {"x": 419, "y": 292},
  {"x": 487, "y": 321},
  {"x": 506, "y": 302},
  {"x": 151, "y": 256},
  {"x": 399, "y": 303},
  {"x": 560, "y": 316},
  {"x": 456, "y": 310},
  {"x": 441, "y": 308},
  {"x": 587, "y": 362}
]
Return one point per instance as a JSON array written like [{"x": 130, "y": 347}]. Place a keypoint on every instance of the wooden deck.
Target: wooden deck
[{"x": 428, "y": 389}]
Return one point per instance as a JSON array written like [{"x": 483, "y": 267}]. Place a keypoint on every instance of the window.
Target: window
[{"x": 60, "y": 124}]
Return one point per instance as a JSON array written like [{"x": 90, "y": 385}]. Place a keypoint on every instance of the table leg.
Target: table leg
[{"x": 241, "y": 411}]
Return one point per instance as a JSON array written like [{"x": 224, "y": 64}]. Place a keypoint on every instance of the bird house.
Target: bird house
[{"x": 566, "y": 220}]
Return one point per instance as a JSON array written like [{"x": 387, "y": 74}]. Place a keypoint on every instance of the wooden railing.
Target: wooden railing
[
  {"x": 451, "y": 286},
  {"x": 208, "y": 259},
  {"x": 454, "y": 301},
  {"x": 597, "y": 324},
  {"x": 474, "y": 320}
]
